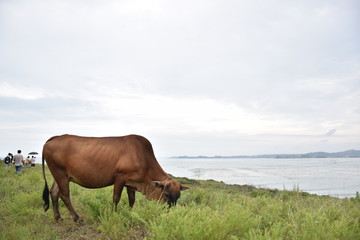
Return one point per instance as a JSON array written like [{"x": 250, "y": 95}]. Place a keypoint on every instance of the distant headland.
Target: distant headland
[{"x": 344, "y": 154}]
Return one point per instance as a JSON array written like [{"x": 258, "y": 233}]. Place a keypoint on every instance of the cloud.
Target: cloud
[
  {"x": 330, "y": 133},
  {"x": 207, "y": 75},
  {"x": 21, "y": 92}
]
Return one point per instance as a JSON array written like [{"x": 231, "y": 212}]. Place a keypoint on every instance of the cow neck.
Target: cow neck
[
  {"x": 158, "y": 174},
  {"x": 166, "y": 178}
]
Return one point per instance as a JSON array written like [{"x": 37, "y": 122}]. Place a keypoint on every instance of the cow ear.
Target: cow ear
[
  {"x": 157, "y": 184},
  {"x": 183, "y": 188}
]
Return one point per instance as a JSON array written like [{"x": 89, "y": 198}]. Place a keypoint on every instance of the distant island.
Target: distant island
[{"x": 345, "y": 154}]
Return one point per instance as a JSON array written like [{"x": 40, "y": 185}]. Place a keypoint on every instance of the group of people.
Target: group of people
[{"x": 18, "y": 161}]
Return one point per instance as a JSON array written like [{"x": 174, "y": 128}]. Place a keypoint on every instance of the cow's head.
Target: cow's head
[{"x": 170, "y": 190}]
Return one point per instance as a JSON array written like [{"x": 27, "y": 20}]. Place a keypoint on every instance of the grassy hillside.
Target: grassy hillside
[{"x": 209, "y": 210}]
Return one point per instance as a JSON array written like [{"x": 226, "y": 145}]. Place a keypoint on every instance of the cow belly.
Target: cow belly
[{"x": 92, "y": 180}]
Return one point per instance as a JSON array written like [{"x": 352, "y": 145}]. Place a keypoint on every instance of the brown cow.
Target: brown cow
[{"x": 96, "y": 162}]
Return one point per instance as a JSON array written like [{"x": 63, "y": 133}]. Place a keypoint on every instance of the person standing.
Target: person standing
[
  {"x": 18, "y": 159},
  {"x": 8, "y": 160},
  {"x": 27, "y": 162},
  {"x": 33, "y": 159}
]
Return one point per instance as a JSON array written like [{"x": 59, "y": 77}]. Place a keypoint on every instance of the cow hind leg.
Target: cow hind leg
[
  {"x": 54, "y": 193},
  {"x": 64, "y": 194},
  {"x": 131, "y": 196}
]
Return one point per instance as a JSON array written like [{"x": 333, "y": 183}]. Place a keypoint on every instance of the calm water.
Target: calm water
[{"x": 339, "y": 177}]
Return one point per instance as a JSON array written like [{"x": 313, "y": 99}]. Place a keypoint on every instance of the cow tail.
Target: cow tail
[{"x": 46, "y": 188}]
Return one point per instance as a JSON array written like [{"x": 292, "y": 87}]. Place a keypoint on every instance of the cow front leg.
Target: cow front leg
[
  {"x": 131, "y": 195},
  {"x": 118, "y": 187},
  {"x": 54, "y": 193}
]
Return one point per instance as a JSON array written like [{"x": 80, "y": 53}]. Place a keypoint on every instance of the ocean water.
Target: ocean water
[{"x": 338, "y": 177}]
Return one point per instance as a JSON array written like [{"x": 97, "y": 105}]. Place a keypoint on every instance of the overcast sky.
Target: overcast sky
[{"x": 194, "y": 77}]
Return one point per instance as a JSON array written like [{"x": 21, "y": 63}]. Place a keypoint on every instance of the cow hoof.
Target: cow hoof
[
  {"x": 77, "y": 219},
  {"x": 58, "y": 219}
]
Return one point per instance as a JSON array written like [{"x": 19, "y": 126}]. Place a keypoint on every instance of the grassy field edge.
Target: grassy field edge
[{"x": 209, "y": 210}]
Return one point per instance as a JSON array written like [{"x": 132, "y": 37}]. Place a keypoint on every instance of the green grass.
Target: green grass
[{"x": 209, "y": 210}]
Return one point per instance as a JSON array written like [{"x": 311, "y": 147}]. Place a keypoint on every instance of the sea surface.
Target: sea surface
[{"x": 338, "y": 177}]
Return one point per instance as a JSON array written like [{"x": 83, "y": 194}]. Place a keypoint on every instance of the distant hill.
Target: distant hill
[{"x": 345, "y": 154}]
